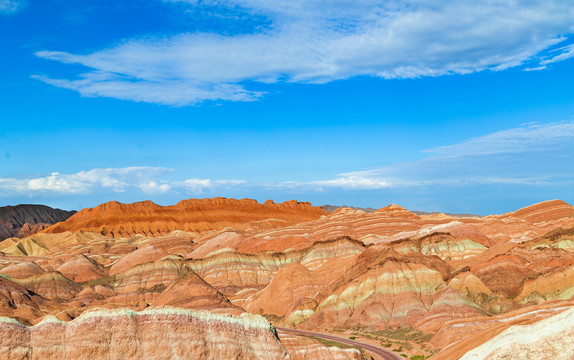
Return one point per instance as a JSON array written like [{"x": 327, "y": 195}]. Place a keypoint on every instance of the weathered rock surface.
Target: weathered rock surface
[
  {"x": 395, "y": 291},
  {"x": 22, "y": 270},
  {"x": 546, "y": 339},
  {"x": 159, "y": 333},
  {"x": 115, "y": 219},
  {"x": 18, "y": 302},
  {"x": 460, "y": 336},
  {"x": 24, "y": 220}
]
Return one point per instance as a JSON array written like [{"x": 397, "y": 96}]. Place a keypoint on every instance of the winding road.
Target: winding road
[{"x": 383, "y": 353}]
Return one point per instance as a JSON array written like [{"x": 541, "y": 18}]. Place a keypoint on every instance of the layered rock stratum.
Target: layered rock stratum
[
  {"x": 159, "y": 333},
  {"x": 23, "y": 220},
  {"x": 455, "y": 283},
  {"x": 116, "y": 219}
]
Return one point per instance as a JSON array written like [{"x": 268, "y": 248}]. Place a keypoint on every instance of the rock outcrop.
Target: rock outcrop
[
  {"x": 458, "y": 337},
  {"x": 159, "y": 333},
  {"x": 116, "y": 219},
  {"x": 24, "y": 220},
  {"x": 546, "y": 339}
]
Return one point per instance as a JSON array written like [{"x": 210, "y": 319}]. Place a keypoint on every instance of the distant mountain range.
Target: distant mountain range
[
  {"x": 23, "y": 220},
  {"x": 332, "y": 208}
]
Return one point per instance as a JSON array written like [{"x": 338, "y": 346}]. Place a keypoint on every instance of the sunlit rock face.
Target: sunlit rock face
[
  {"x": 472, "y": 234},
  {"x": 546, "y": 339},
  {"x": 22, "y": 270},
  {"x": 41, "y": 243},
  {"x": 159, "y": 333},
  {"x": 397, "y": 292},
  {"x": 231, "y": 271},
  {"x": 116, "y": 219},
  {"x": 505, "y": 272},
  {"x": 528, "y": 223},
  {"x": 459, "y": 336}
]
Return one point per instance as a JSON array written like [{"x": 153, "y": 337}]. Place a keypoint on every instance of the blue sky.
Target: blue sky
[{"x": 464, "y": 107}]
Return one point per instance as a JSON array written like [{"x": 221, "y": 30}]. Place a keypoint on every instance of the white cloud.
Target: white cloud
[
  {"x": 566, "y": 52},
  {"x": 350, "y": 182},
  {"x": 199, "y": 185},
  {"x": 318, "y": 42},
  {"x": 153, "y": 187},
  {"x": 532, "y": 154},
  {"x": 531, "y": 137},
  {"x": 147, "y": 180},
  {"x": 537, "y": 68},
  {"x": 8, "y": 7},
  {"x": 114, "y": 179}
]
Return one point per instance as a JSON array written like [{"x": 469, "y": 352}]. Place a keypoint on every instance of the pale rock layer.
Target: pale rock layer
[{"x": 160, "y": 333}]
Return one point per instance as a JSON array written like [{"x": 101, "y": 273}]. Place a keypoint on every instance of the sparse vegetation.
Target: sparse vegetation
[
  {"x": 157, "y": 288},
  {"x": 330, "y": 342},
  {"x": 273, "y": 318},
  {"x": 411, "y": 341}
]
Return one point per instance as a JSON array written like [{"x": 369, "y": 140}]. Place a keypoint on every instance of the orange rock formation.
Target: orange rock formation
[{"x": 115, "y": 219}]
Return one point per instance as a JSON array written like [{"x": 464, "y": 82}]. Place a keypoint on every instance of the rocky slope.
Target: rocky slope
[
  {"x": 23, "y": 220},
  {"x": 460, "y": 337},
  {"x": 159, "y": 333},
  {"x": 545, "y": 339},
  {"x": 394, "y": 223},
  {"x": 115, "y": 219}
]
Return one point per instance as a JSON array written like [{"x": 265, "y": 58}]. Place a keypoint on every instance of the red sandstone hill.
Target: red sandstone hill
[{"x": 115, "y": 219}]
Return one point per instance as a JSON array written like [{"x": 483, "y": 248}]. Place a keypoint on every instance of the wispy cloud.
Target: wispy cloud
[
  {"x": 527, "y": 138},
  {"x": 8, "y": 7},
  {"x": 199, "y": 185},
  {"x": 147, "y": 180},
  {"x": 114, "y": 179},
  {"x": 318, "y": 42},
  {"x": 553, "y": 56},
  {"x": 344, "y": 181},
  {"x": 532, "y": 154},
  {"x": 564, "y": 53}
]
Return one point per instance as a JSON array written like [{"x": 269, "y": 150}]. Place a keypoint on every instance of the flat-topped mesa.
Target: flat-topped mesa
[
  {"x": 116, "y": 219},
  {"x": 155, "y": 333}
]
